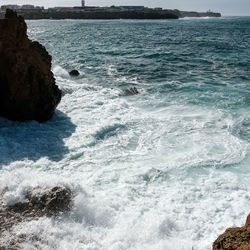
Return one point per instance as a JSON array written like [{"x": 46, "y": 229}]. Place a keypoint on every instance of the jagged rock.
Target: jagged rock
[
  {"x": 131, "y": 91},
  {"x": 39, "y": 203},
  {"x": 74, "y": 72},
  {"x": 27, "y": 85},
  {"x": 234, "y": 238},
  {"x": 48, "y": 202}
]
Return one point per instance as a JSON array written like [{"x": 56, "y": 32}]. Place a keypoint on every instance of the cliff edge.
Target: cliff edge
[
  {"x": 27, "y": 85},
  {"x": 234, "y": 238}
]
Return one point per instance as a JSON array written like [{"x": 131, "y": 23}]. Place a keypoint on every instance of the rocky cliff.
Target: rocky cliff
[
  {"x": 100, "y": 15},
  {"x": 27, "y": 85},
  {"x": 234, "y": 238},
  {"x": 116, "y": 14}
]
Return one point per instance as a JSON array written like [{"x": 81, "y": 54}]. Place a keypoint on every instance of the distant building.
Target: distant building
[
  {"x": 22, "y": 7},
  {"x": 83, "y": 3},
  {"x": 28, "y": 7},
  {"x": 10, "y": 6}
]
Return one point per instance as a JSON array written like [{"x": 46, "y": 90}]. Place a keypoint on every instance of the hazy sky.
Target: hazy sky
[{"x": 226, "y": 7}]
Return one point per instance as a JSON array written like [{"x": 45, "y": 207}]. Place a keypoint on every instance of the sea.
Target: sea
[{"x": 166, "y": 169}]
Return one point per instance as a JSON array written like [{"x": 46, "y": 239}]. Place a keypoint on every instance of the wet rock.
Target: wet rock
[
  {"x": 49, "y": 202},
  {"x": 38, "y": 203},
  {"x": 27, "y": 85},
  {"x": 74, "y": 72},
  {"x": 131, "y": 91},
  {"x": 234, "y": 238}
]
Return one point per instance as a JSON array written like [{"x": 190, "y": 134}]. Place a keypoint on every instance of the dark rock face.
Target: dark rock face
[
  {"x": 27, "y": 85},
  {"x": 74, "y": 72},
  {"x": 234, "y": 238},
  {"x": 100, "y": 14}
]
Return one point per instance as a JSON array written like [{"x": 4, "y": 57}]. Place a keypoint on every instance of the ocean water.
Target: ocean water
[{"x": 166, "y": 169}]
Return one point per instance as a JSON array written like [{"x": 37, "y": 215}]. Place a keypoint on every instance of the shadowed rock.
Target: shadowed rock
[
  {"x": 234, "y": 238},
  {"x": 74, "y": 72},
  {"x": 131, "y": 91},
  {"x": 27, "y": 85}
]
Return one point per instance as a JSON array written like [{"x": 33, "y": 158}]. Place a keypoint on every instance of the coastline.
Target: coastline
[
  {"x": 110, "y": 14},
  {"x": 26, "y": 208}
]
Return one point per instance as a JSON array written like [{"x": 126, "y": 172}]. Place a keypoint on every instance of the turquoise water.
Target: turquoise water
[{"x": 166, "y": 169}]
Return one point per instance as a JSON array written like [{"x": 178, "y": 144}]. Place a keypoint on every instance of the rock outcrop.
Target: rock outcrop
[
  {"x": 100, "y": 14},
  {"x": 234, "y": 238},
  {"x": 38, "y": 203},
  {"x": 27, "y": 85},
  {"x": 183, "y": 14},
  {"x": 131, "y": 91},
  {"x": 74, "y": 72}
]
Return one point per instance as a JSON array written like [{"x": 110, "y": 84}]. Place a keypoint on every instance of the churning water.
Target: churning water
[{"x": 166, "y": 169}]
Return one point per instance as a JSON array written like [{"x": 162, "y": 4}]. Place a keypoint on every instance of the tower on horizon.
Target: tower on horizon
[{"x": 83, "y": 3}]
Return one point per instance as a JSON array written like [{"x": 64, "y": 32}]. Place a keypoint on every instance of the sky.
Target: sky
[{"x": 226, "y": 7}]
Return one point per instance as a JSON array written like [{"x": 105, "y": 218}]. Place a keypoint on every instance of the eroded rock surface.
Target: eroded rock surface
[
  {"x": 27, "y": 85},
  {"x": 38, "y": 203},
  {"x": 234, "y": 238}
]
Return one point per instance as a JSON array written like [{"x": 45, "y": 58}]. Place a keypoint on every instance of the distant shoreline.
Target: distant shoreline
[{"x": 128, "y": 14}]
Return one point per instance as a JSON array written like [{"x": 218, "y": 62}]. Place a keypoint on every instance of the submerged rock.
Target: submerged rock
[
  {"x": 234, "y": 238},
  {"x": 27, "y": 85},
  {"x": 131, "y": 91},
  {"x": 74, "y": 72}
]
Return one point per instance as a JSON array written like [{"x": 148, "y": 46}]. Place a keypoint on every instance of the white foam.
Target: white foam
[{"x": 60, "y": 72}]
